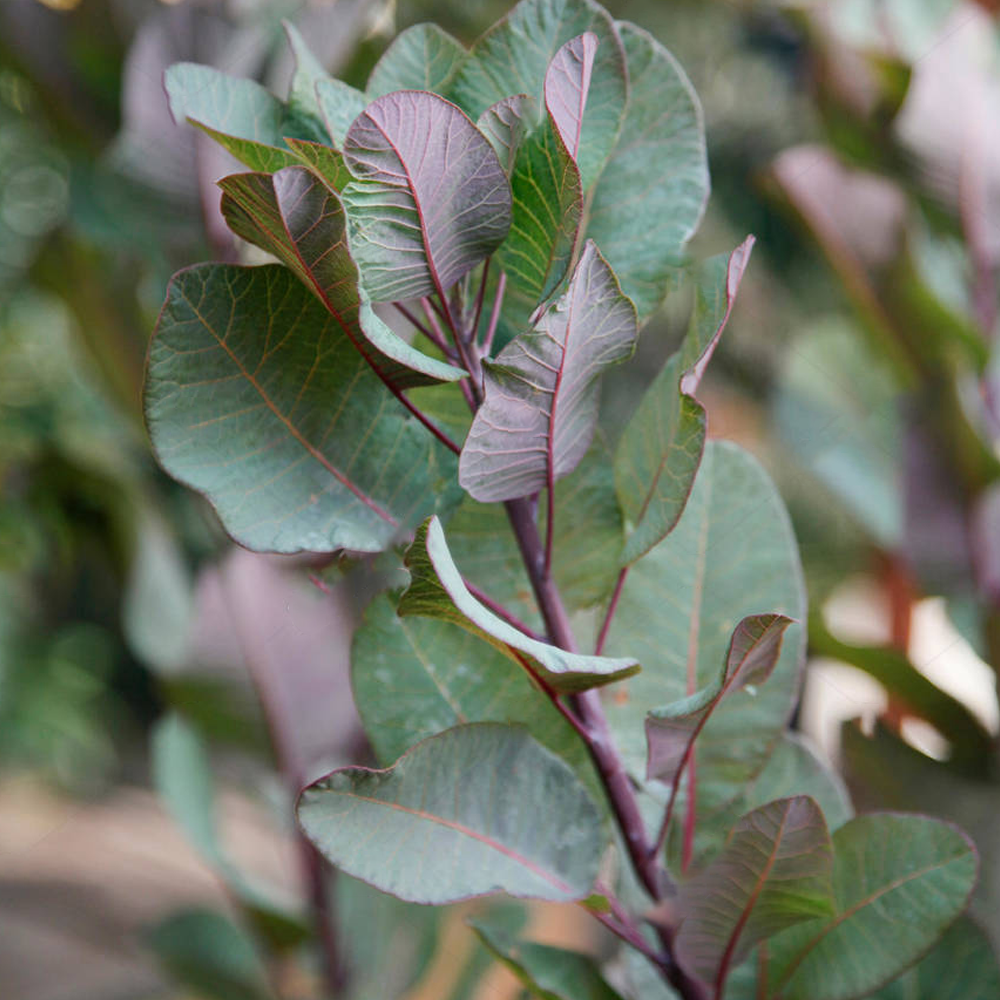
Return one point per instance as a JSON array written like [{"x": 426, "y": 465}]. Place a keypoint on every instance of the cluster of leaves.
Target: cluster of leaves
[{"x": 465, "y": 248}]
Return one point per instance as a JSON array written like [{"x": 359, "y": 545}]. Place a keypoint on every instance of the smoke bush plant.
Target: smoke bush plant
[{"x": 465, "y": 248}]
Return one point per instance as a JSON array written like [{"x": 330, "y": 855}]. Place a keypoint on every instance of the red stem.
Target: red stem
[
  {"x": 602, "y": 637},
  {"x": 494, "y": 314},
  {"x": 480, "y": 298},
  {"x": 437, "y": 341}
]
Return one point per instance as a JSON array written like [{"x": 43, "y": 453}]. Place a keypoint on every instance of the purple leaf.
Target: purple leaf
[
  {"x": 540, "y": 407},
  {"x": 567, "y": 83},
  {"x": 671, "y": 732},
  {"x": 776, "y": 871},
  {"x": 295, "y": 216},
  {"x": 431, "y": 200}
]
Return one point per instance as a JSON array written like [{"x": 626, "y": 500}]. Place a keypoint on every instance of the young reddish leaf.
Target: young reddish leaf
[
  {"x": 661, "y": 448},
  {"x": 540, "y": 408},
  {"x": 457, "y": 816},
  {"x": 295, "y": 216},
  {"x": 505, "y": 124},
  {"x": 431, "y": 200},
  {"x": 652, "y": 191},
  {"x": 670, "y": 732},
  {"x": 437, "y": 591},
  {"x": 423, "y": 57},
  {"x": 255, "y": 397},
  {"x": 567, "y": 84},
  {"x": 774, "y": 873}
]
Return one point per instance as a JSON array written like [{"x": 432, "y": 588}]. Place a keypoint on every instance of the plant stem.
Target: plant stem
[
  {"x": 437, "y": 341},
  {"x": 501, "y": 612},
  {"x": 427, "y": 422},
  {"x": 480, "y": 298},
  {"x": 610, "y": 613},
  {"x": 494, "y": 314}
]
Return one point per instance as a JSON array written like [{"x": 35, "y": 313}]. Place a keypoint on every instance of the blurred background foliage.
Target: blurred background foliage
[{"x": 139, "y": 648}]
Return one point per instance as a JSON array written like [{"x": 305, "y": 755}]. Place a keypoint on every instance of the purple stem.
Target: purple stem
[
  {"x": 421, "y": 328},
  {"x": 610, "y": 614},
  {"x": 494, "y": 315}
]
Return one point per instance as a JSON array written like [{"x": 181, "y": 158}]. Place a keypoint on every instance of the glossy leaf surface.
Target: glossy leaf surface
[
  {"x": 437, "y": 591},
  {"x": 457, "y": 817},
  {"x": 431, "y": 200},
  {"x": 255, "y": 397},
  {"x": 540, "y": 409}
]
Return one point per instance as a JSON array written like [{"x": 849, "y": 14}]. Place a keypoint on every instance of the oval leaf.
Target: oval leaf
[
  {"x": 652, "y": 192},
  {"x": 431, "y": 200},
  {"x": 899, "y": 881},
  {"x": 296, "y": 217},
  {"x": 775, "y": 872},
  {"x": 340, "y": 104},
  {"x": 437, "y": 591},
  {"x": 422, "y": 57},
  {"x": 540, "y": 408},
  {"x": 255, "y": 397},
  {"x": 458, "y": 817},
  {"x": 514, "y": 56}
]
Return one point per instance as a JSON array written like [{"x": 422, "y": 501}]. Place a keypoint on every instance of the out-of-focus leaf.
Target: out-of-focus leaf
[
  {"x": 255, "y": 397},
  {"x": 548, "y": 973},
  {"x": 457, "y": 817},
  {"x": 651, "y": 194},
  {"x": 661, "y": 448},
  {"x": 420, "y": 58},
  {"x": 753, "y": 653},
  {"x": 303, "y": 107},
  {"x": 437, "y": 591},
  {"x": 206, "y": 952},
  {"x": 514, "y": 56},
  {"x": 961, "y": 966},
  {"x": 415, "y": 677},
  {"x": 731, "y": 555},
  {"x": 899, "y": 882},
  {"x": 540, "y": 409},
  {"x": 430, "y": 200},
  {"x": 836, "y": 408},
  {"x": 296, "y": 217},
  {"x": 775, "y": 872}
]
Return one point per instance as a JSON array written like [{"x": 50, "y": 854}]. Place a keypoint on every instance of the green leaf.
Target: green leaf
[
  {"x": 415, "y": 677},
  {"x": 753, "y": 653},
  {"x": 540, "y": 407},
  {"x": 837, "y": 410},
  {"x": 505, "y": 124},
  {"x": 650, "y": 197},
  {"x": 660, "y": 449},
  {"x": 295, "y": 216},
  {"x": 899, "y": 882},
  {"x": 422, "y": 57},
  {"x": 961, "y": 966},
  {"x": 514, "y": 56},
  {"x": 458, "y": 817},
  {"x": 208, "y": 953},
  {"x": 437, "y": 590},
  {"x": 731, "y": 555},
  {"x": 339, "y": 104},
  {"x": 324, "y": 161},
  {"x": 254, "y": 396},
  {"x": 303, "y": 107},
  {"x": 546, "y": 205},
  {"x": 431, "y": 200},
  {"x": 548, "y": 973},
  {"x": 775, "y": 872},
  {"x": 240, "y": 114}
]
